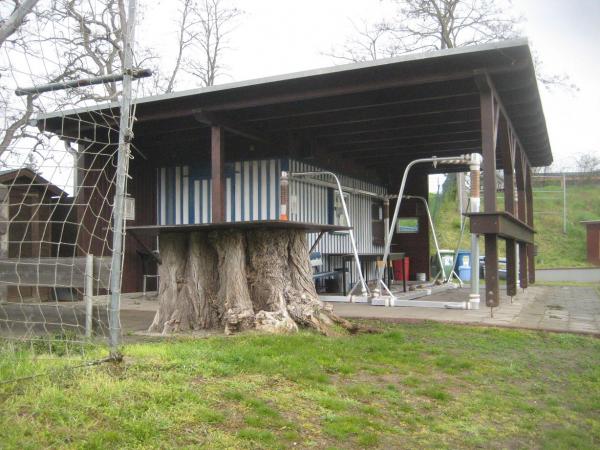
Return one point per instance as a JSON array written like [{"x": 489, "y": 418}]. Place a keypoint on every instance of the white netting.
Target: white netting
[{"x": 58, "y": 158}]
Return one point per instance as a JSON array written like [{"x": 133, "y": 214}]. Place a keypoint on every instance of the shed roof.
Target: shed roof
[
  {"x": 26, "y": 177},
  {"x": 377, "y": 114}
]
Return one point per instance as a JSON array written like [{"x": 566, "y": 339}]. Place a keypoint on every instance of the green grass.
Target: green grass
[
  {"x": 412, "y": 386},
  {"x": 555, "y": 249}
]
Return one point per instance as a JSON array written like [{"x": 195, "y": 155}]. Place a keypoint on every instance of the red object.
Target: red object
[{"x": 397, "y": 264}]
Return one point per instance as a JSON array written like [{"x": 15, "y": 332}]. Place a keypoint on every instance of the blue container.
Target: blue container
[
  {"x": 463, "y": 260},
  {"x": 464, "y": 273}
]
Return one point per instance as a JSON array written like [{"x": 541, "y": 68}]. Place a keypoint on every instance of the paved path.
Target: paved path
[
  {"x": 555, "y": 308},
  {"x": 572, "y": 309}
]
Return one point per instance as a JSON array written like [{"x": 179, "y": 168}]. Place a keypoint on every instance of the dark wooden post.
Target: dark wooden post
[
  {"x": 489, "y": 133},
  {"x": 521, "y": 214},
  {"x": 530, "y": 248},
  {"x": 507, "y": 148},
  {"x": 217, "y": 174}
]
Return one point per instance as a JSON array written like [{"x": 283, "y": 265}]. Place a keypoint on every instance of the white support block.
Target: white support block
[
  {"x": 381, "y": 301},
  {"x": 335, "y": 298}
]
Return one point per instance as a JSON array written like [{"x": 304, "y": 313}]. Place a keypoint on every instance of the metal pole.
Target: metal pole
[
  {"x": 365, "y": 289},
  {"x": 386, "y": 230},
  {"x": 137, "y": 73},
  {"x": 474, "y": 297},
  {"x": 125, "y": 136},
  {"x": 462, "y": 159},
  {"x": 458, "y": 244},
  {"x": 435, "y": 241},
  {"x": 88, "y": 292},
  {"x": 564, "y": 186}
]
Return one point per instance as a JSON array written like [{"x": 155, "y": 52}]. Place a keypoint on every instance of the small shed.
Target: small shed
[
  {"x": 593, "y": 240},
  {"x": 28, "y": 203}
]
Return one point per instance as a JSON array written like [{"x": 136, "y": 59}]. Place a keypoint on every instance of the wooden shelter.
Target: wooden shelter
[
  {"x": 28, "y": 203},
  {"x": 216, "y": 154}
]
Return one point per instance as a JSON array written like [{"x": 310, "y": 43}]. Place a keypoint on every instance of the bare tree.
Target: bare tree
[
  {"x": 426, "y": 25},
  {"x": 439, "y": 24},
  {"x": 368, "y": 43},
  {"x": 95, "y": 47},
  {"x": 12, "y": 23},
  {"x": 203, "y": 28},
  {"x": 186, "y": 37},
  {"x": 213, "y": 22},
  {"x": 85, "y": 38},
  {"x": 587, "y": 162}
]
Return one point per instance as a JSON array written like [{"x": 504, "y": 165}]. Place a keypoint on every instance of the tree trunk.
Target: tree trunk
[{"x": 239, "y": 280}]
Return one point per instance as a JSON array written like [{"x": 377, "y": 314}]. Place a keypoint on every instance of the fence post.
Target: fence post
[
  {"x": 88, "y": 292},
  {"x": 125, "y": 137},
  {"x": 3, "y": 234},
  {"x": 564, "y": 186}
]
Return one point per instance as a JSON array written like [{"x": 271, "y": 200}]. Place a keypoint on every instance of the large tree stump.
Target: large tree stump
[{"x": 239, "y": 280}]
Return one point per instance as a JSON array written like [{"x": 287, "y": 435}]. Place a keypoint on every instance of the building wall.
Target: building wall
[
  {"x": 29, "y": 232},
  {"x": 312, "y": 204},
  {"x": 415, "y": 245},
  {"x": 136, "y": 262},
  {"x": 252, "y": 193}
]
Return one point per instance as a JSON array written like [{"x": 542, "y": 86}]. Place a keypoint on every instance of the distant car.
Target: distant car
[{"x": 501, "y": 267}]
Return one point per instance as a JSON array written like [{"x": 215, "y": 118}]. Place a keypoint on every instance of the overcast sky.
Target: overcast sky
[{"x": 279, "y": 36}]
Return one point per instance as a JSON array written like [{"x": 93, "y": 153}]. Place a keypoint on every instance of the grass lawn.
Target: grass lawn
[{"x": 414, "y": 385}]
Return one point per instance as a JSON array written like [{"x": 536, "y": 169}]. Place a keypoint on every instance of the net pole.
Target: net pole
[
  {"x": 125, "y": 136},
  {"x": 564, "y": 192}
]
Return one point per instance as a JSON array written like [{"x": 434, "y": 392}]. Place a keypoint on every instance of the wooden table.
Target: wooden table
[{"x": 240, "y": 226}]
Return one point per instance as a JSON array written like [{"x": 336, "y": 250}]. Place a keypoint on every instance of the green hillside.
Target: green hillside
[{"x": 555, "y": 249}]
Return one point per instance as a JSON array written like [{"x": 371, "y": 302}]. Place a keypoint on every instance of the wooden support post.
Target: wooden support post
[
  {"x": 507, "y": 148},
  {"x": 217, "y": 174},
  {"x": 521, "y": 215},
  {"x": 530, "y": 248},
  {"x": 489, "y": 133}
]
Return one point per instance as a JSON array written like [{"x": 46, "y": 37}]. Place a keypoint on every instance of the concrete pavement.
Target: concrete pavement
[{"x": 550, "y": 308}]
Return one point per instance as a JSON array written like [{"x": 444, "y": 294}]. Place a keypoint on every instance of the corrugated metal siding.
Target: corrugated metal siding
[
  {"x": 311, "y": 205},
  {"x": 252, "y": 192}
]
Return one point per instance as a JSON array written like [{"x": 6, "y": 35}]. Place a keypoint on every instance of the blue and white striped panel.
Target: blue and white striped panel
[{"x": 251, "y": 189}]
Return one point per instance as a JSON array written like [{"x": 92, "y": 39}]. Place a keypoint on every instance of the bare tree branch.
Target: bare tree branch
[
  {"x": 16, "y": 19},
  {"x": 213, "y": 22},
  {"x": 186, "y": 36},
  {"x": 428, "y": 25}
]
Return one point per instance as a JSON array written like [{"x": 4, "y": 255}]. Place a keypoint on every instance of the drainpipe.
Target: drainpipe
[{"x": 475, "y": 166}]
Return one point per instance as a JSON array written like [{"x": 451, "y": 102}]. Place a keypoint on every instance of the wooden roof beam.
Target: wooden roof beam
[{"x": 213, "y": 119}]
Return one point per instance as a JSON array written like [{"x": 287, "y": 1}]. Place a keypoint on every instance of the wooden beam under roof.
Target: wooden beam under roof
[
  {"x": 353, "y": 145},
  {"x": 428, "y": 107}
]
